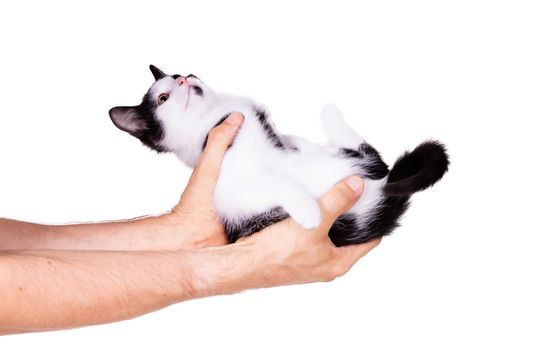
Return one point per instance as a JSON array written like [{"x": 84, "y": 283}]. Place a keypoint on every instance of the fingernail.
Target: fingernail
[
  {"x": 233, "y": 119},
  {"x": 355, "y": 183}
]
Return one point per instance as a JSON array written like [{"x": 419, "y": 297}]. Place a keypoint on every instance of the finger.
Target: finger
[
  {"x": 219, "y": 139},
  {"x": 352, "y": 253},
  {"x": 340, "y": 198}
]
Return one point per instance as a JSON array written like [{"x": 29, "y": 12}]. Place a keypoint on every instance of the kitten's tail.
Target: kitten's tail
[{"x": 417, "y": 170}]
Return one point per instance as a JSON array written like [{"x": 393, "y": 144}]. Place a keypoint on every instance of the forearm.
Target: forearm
[
  {"x": 48, "y": 290},
  {"x": 11, "y": 331},
  {"x": 149, "y": 233},
  {"x": 45, "y": 290}
]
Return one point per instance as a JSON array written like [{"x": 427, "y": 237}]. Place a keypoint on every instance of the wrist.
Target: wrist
[
  {"x": 166, "y": 229},
  {"x": 227, "y": 269},
  {"x": 175, "y": 231},
  {"x": 190, "y": 232}
]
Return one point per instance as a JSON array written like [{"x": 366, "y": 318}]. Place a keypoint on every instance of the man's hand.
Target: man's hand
[
  {"x": 302, "y": 256},
  {"x": 194, "y": 218},
  {"x": 284, "y": 253}
]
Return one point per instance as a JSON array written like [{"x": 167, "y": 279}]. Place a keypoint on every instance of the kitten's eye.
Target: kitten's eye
[{"x": 162, "y": 98}]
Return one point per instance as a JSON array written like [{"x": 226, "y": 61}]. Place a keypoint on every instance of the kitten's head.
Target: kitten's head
[{"x": 171, "y": 112}]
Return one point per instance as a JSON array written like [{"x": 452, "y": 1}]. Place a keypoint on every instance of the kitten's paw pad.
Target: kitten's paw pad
[{"x": 306, "y": 213}]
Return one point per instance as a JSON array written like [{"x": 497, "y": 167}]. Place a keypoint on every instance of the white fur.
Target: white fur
[{"x": 256, "y": 176}]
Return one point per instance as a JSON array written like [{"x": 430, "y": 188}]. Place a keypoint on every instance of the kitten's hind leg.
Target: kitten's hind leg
[
  {"x": 352, "y": 145},
  {"x": 338, "y": 132}
]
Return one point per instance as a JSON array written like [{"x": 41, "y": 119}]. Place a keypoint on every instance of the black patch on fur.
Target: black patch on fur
[
  {"x": 149, "y": 130},
  {"x": 368, "y": 160},
  {"x": 254, "y": 224},
  {"x": 175, "y": 76},
  {"x": 387, "y": 218},
  {"x": 346, "y": 231},
  {"x": 153, "y": 133},
  {"x": 342, "y": 229},
  {"x": 192, "y": 76},
  {"x": 417, "y": 170},
  {"x": 197, "y": 90},
  {"x": 217, "y": 124},
  {"x": 261, "y": 114}
]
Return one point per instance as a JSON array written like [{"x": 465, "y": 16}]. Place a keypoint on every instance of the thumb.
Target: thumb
[
  {"x": 207, "y": 170},
  {"x": 340, "y": 198}
]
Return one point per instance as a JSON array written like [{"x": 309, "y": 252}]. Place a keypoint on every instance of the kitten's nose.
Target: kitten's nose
[{"x": 181, "y": 80}]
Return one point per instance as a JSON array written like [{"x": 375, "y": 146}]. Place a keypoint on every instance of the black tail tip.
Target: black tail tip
[{"x": 417, "y": 170}]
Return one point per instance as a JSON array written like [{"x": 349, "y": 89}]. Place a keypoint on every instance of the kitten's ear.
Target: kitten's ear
[
  {"x": 157, "y": 73},
  {"x": 128, "y": 119}
]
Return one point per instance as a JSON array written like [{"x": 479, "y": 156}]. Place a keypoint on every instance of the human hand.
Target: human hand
[
  {"x": 284, "y": 253},
  {"x": 194, "y": 219}
]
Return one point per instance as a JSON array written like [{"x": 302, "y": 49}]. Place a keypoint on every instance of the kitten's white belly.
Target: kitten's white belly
[
  {"x": 252, "y": 184},
  {"x": 318, "y": 173}
]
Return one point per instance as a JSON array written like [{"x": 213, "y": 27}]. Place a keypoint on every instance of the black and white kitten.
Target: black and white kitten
[{"x": 266, "y": 176}]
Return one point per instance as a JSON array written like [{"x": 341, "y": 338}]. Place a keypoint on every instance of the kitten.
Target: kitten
[{"x": 266, "y": 176}]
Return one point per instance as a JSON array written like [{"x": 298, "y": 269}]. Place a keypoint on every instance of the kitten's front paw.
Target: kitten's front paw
[{"x": 306, "y": 213}]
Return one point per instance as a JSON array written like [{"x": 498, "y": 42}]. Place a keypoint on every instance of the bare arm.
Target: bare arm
[
  {"x": 191, "y": 224},
  {"x": 138, "y": 234},
  {"x": 46, "y": 290}
]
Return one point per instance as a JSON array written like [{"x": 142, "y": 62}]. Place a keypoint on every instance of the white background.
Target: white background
[{"x": 469, "y": 267}]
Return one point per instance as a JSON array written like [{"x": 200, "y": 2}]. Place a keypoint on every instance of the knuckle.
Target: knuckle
[
  {"x": 216, "y": 136},
  {"x": 340, "y": 268},
  {"x": 328, "y": 278},
  {"x": 343, "y": 269},
  {"x": 331, "y": 273}
]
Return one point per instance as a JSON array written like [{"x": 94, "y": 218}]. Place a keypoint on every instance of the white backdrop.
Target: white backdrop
[{"x": 469, "y": 267}]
